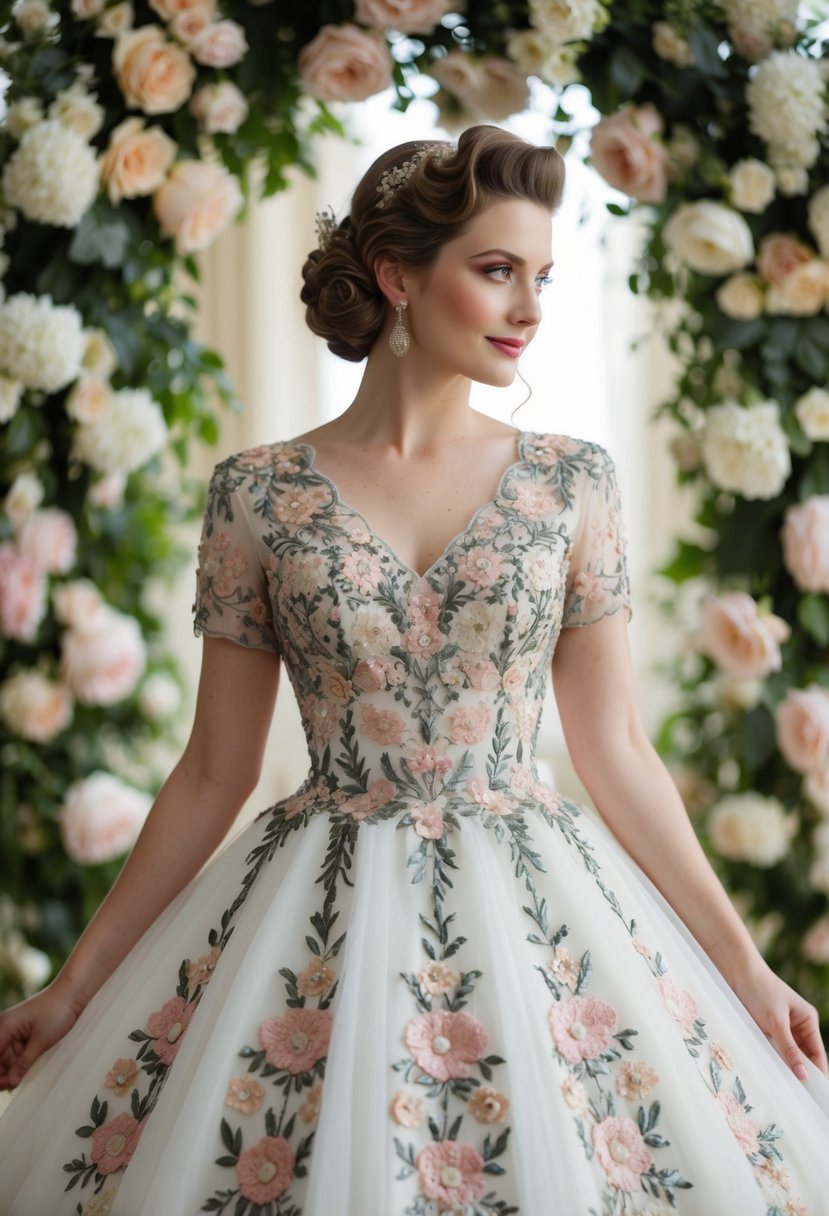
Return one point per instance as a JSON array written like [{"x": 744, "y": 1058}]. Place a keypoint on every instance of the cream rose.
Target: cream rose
[
  {"x": 88, "y": 399},
  {"x": 221, "y": 45},
  {"x": 35, "y": 707},
  {"x": 709, "y": 237},
  {"x": 819, "y": 219},
  {"x": 49, "y": 538},
  {"x": 85, "y": 9},
  {"x": 219, "y": 107},
  {"x": 101, "y": 818},
  {"x": 803, "y": 292},
  {"x": 812, "y": 412},
  {"x": 103, "y": 659},
  {"x": 802, "y": 722},
  {"x": 189, "y": 25},
  {"x": 752, "y": 184},
  {"x": 778, "y": 256},
  {"x": 115, "y": 21},
  {"x": 671, "y": 46},
  {"x": 25, "y": 495},
  {"x": 805, "y": 536},
  {"x": 99, "y": 357},
  {"x": 748, "y": 827},
  {"x": 343, "y": 63},
  {"x": 196, "y": 203},
  {"x": 405, "y": 16},
  {"x": 626, "y": 151},
  {"x": 745, "y": 450},
  {"x": 740, "y": 640},
  {"x": 816, "y": 789},
  {"x": 154, "y": 75},
  {"x": 78, "y": 110},
  {"x": 136, "y": 160},
  {"x": 11, "y": 392},
  {"x": 741, "y": 297},
  {"x": 76, "y": 603}
]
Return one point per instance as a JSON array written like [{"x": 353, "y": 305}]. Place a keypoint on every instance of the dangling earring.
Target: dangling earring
[{"x": 399, "y": 336}]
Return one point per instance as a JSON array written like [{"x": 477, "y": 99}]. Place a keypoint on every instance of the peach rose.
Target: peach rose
[
  {"x": 779, "y": 255},
  {"x": 88, "y": 399},
  {"x": 219, "y": 107},
  {"x": 168, "y": 10},
  {"x": 77, "y": 602},
  {"x": 805, "y": 537},
  {"x": 154, "y": 75},
  {"x": 49, "y": 538},
  {"x": 35, "y": 707},
  {"x": 741, "y": 297},
  {"x": 812, "y": 412},
  {"x": 22, "y": 594},
  {"x": 137, "y": 159},
  {"x": 803, "y": 292},
  {"x": 188, "y": 25},
  {"x": 741, "y": 641},
  {"x": 343, "y": 63},
  {"x": 104, "y": 658},
  {"x": 101, "y": 817},
  {"x": 624, "y": 148},
  {"x": 802, "y": 722},
  {"x": 405, "y": 16},
  {"x": 196, "y": 203},
  {"x": 221, "y": 45}
]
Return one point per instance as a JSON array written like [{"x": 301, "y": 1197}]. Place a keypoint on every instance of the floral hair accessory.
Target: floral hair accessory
[
  {"x": 393, "y": 179},
  {"x": 325, "y": 224}
]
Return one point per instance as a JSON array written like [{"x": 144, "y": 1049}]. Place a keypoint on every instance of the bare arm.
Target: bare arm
[
  {"x": 191, "y": 815},
  {"x": 635, "y": 795}
]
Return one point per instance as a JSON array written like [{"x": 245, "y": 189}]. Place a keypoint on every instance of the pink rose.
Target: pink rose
[
  {"x": 805, "y": 537},
  {"x": 135, "y": 162},
  {"x": 49, "y": 538},
  {"x": 343, "y": 63},
  {"x": 452, "y": 1174},
  {"x": 188, "y": 25},
  {"x": 154, "y": 75},
  {"x": 168, "y": 1025},
  {"x": 22, "y": 594},
  {"x": 221, "y": 45},
  {"x": 76, "y": 603},
  {"x": 779, "y": 255},
  {"x": 297, "y": 1040},
  {"x": 622, "y": 1152},
  {"x": 404, "y": 16},
  {"x": 802, "y": 722},
  {"x": 741, "y": 642},
  {"x": 35, "y": 707},
  {"x": 101, "y": 817},
  {"x": 196, "y": 202},
  {"x": 266, "y": 1170},
  {"x": 219, "y": 107},
  {"x": 489, "y": 87},
  {"x": 103, "y": 659},
  {"x": 626, "y": 151}
]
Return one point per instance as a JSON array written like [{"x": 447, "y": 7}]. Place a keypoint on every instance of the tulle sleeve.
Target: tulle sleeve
[
  {"x": 597, "y": 579},
  {"x": 232, "y": 599}
]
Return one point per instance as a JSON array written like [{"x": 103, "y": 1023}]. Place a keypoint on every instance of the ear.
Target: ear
[{"x": 391, "y": 278}]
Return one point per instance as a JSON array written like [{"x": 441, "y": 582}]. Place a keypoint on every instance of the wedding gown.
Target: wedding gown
[{"x": 424, "y": 983}]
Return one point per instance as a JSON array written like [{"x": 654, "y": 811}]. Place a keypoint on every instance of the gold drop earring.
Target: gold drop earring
[{"x": 399, "y": 336}]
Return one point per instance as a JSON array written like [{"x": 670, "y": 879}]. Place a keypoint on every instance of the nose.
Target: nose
[{"x": 526, "y": 305}]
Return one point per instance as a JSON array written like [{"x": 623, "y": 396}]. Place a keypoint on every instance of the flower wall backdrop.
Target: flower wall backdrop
[{"x": 132, "y": 135}]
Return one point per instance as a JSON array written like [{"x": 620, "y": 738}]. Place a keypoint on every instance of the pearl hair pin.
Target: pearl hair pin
[{"x": 394, "y": 178}]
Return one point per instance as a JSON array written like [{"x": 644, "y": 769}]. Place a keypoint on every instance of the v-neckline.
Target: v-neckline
[{"x": 520, "y": 438}]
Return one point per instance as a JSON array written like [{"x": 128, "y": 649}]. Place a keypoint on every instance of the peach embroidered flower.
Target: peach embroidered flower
[
  {"x": 296, "y": 1040},
  {"x": 451, "y": 1173},
  {"x": 582, "y": 1027},
  {"x": 744, "y": 1129},
  {"x": 377, "y": 795},
  {"x": 427, "y": 818},
  {"x": 487, "y": 1105},
  {"x": 680, "y": 1004},
  {"x": 266, "y": 1170},
  {"x": 535, "y": 502},
  {"x": 622, "y": 1152},
  {"x": 469, "y": 723},
  {"x": 297, "y": 506},
  {"x": 120, "y": 1077},
  {"x": 407, "y": 1109},
  {"x": 721, "y": 1056},
  {"x": 384, "y": 726},
  {"x": 636, "y": 1080},
  {"x": 336, "y": 685},
  {"x": 589, "y": 587},
  {"x": 514, "y": 678},
  {"x": 480, "y": 565},
  {"x": 575, "y": 1095},
  {"x": 315, "y": 979},
  {"x": 114, "y": 1143},
  {"x": 167, "y": 1026},
  {"x": 311, "y": 1106},
  {"x": 244, "y": 1094},
  {"x": 363, "y": 570},
  {"x": 564, "y": 967},
  {"x": 436, "y": 978},
  {"x": 369, "y": 675},
  {"x": 445, "y": 1044},
  {"x": 200, "y": 971},
  {"x": 100, "y": 1204}
]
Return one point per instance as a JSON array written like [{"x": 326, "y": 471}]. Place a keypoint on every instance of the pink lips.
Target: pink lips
[{"x": 508, "y": 346}]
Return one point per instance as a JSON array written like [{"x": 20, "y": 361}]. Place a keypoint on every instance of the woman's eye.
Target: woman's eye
[
  {"x": 501, "y": 271},
  {"x": 543, "y": 280}
]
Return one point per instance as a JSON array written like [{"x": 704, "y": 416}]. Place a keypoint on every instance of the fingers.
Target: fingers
[{"x": 805, "y": 1026}]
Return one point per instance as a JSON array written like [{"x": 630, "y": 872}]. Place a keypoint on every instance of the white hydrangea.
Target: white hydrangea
[
  {"x": 536, "y": 54},
  {"x": 41, "y": 343},
  {"x": 760, "y": 23},
  {"x": 749, "y": 827},
  {"x": 22, "y": 114},
  {"x": 78, "y": 110},
  {"x": 745, "y": 450},
  {"x": 567, "y": 20},
  {"x": 126, "y": 435},
  {"x": 819, "y": 219},
  {"x": 10, "y": 393},
  {"x": 52, "y": 176},
  {"x": 787, "y": 108}
]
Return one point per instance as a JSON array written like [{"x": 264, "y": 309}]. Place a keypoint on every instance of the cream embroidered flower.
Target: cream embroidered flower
[
  {"x": 636, "y": 1080},
  {"x": 244, "y": 1094}
]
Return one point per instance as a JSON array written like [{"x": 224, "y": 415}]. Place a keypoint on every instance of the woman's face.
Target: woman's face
[{"x": 476, "y": 308}]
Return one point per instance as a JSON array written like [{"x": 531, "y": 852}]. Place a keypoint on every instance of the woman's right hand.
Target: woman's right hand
[{"x": 30, "y": 1028}]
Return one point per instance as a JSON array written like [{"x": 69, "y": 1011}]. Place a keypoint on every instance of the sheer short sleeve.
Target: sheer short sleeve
[
  {"x": 597, "y": 579},
  {"x": 232, "y": 599}
]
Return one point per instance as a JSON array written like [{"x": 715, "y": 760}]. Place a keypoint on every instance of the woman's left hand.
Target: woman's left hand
[{"x": 788, "y": 1020}]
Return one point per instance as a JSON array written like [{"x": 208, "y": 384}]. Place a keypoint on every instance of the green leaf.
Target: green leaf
[
  {"x": 627, "y": 71},
  {"x": 705, "y": 44},
  {"x": 813, "y": 616},
  {"x": 757, "y": 738},
  {"x": 688, "y": 561},
  {"x": 811, "y": 358},
  {"x": 104, "y": 241}
]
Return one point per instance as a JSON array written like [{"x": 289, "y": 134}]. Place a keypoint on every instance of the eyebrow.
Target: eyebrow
[{"x": 512, "y": 257}]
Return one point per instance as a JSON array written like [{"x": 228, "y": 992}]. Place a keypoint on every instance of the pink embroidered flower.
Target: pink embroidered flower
[
  {"x": 287, "y": 458},
  {"x": 721, "y": 1056},
  {"x": 587, "y": 585},
  {"x": 487, "y": 1105},
  {"x": 680, "y": 1004},
  {"x": 481, "y": 566},
  {"x": 564, "y": 967},
  {"x": 519, "y": 780},
  {"x": 114, "y": 1143},
  {"x": 369, "y": 675},
  {"x": 201, "y": 970},
  {"x": 315, "y": 979},
  {"x": 120, "y": 1077},
  {"x": 582, "y": 1027},
  {"x": 575, "y": 1095},
  {"x": 407, "y": 1109},
  {"x": 445, "y": 1044},
  {"x": 469, "y": 723},
  {"x": 298, "y": 506},
  {"x": 311, "y": 1106},
  {"x": 424, "y": 606},
  {"x": 451, "y": 1173},
  {"x": 744, "y": 1129},
  {"x": 636, "y": 1080},
  {"x": 498, "y": 803},
  {"x": 546, "y": 449},
  {"x": 622, "y": 1152},
  {"x": 547, "y": 797},
  {"x": 481, "y": 673},
  {"x": 423, "y": 638},
  {"x": 167, "y": 1026},
  {"x": 384, "y": 726},
  {"x": 258, "y": 610},
  {"x": 244, "y": 1094},
  {"x": 427, "y": 759},
  {"x": 296, "y": 1040},
  {"x": 536, "y": 502},
  {"x": 363, "y": 570},
  {"x": 514, "y": 678},
  {"x": 322, "y": 719},
  {"x": 436, "y": 978},
  {"x": 265, "y": 1170},
  {"x": 427, "y": 817}
]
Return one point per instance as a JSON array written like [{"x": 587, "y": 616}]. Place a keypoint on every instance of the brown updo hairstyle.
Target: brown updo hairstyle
[{"x": 444, "y": 194}]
